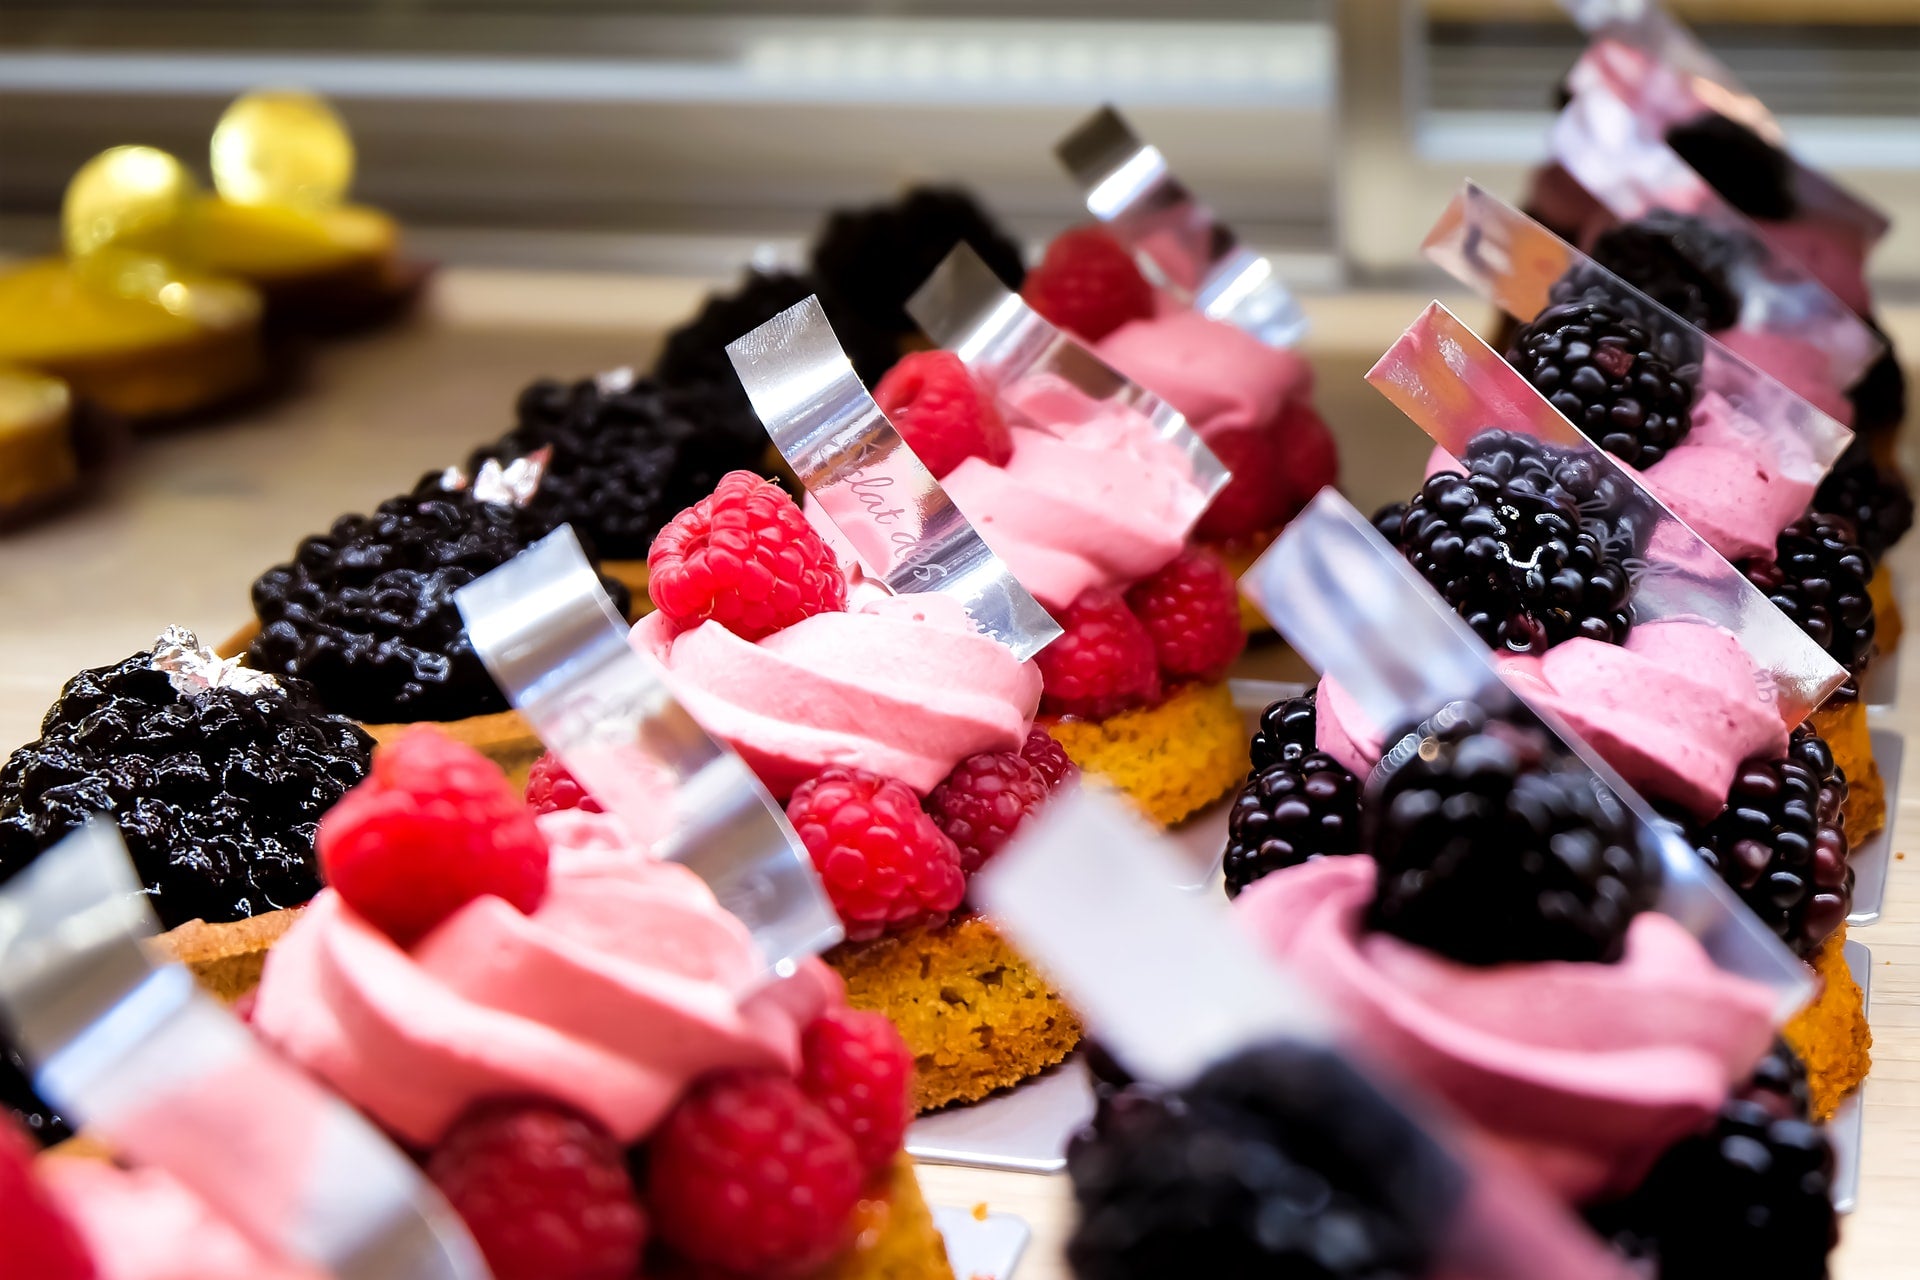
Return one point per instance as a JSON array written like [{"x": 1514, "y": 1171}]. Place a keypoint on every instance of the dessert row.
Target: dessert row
[{"x": 1651, "y": 537}]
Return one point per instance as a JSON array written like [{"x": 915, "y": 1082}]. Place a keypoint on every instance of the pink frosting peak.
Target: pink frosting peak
[
  {"x": 1798, "y": 364},
  {"x": 1831, "y": 252},
  {"x": 1585, "y": 1072},
  {"x": 1220, "y": 377},
  {"x": 906, "y": 687},
  {"x": 1733, "y": 482},
  {"x": 1092, "y": 497},
  {"x": 618, "y": 991},
  {"x": 141, "y": 1224}
]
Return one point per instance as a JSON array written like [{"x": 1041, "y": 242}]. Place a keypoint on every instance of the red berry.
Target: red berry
[
  {"x": 36, "y": 1240},
  {"x": 551, "y": 787},
  {"x": 745, "y": 557},
  {"x": 1277, "y": 468},
  {"x": 983, "y": 800},
  {"x": 1192, "y": 611},
  {"x": 857, "y": 1069},
  {"x": 1044, "y": 752},
  {"x": 1088, "y": 284},
  {"x": 943, "y": 412},
  {"x": 885, "y": 864},
  {"x": 434, "y": 826},
  {"x": 1104, "y": 662},
  {"x": 749, "y": 1175},
  {"x": 545, "y": 1193}
]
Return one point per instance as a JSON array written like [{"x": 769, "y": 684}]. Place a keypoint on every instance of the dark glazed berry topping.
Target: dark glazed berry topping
[
  {"x": 1782, "y": 845},
  {"x": 874, "y": 259},
  {"x": 627, "y": 455},
  {"x": 217, "y": 793},
  {"x": 365, "y": 611},
  {"x": 1532, "y": 545},
  {"x": 1281, "y": 1161},
  {"x": 1494, "y": 846},
  {"x": 1875, "y": 501},
  {"x": 1880, "y": 397},
  {"x": 1611, "y": 378},
  {"x": 1299, "y": 803},
  {"x": 1675, "y": 259},
  {"x": 1818, "y": 577},
  {"x": 1750, "y": 173},
  {"x": 696, "y": 353},
  {"x": 1287, "y": 730}
]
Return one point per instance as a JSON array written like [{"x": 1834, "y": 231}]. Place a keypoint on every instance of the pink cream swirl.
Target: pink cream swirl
[
  {"x": 1585, "y": 1072},
  {"x": 906, "y": 687},
  {"x": 611, "y": 997}
]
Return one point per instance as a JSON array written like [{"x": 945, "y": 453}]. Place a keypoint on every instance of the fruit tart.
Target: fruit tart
[
  {"x": 39, "y": 465},
  {"x": 901, "y": 740},
  {"x": 365, "y": 611},
  {"x": 583, "y": 1047}
]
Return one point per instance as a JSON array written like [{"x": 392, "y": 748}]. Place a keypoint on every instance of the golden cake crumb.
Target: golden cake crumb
[
  {"x": 896, "y": 1238},
  {"x": 1831, "y": 1034},
  {"x": 976, "y": 1016},
  {"x": 1171, "y": 760},
  {"x": 226, "y": 959},
  {"x": 1888, "y": 623},
  {"x": 1844, "y": 726}
]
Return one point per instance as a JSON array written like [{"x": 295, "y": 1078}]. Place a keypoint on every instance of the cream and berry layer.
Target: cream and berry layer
[{"x": 1586, "y": 1072}]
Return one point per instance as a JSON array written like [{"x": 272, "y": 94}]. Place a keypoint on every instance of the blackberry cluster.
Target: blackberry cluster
[
  {"x": 695, "y": 354},
  {"x": 874, "y": 259},
  {"x": 1781, "y": 844},
  {"x": 1675, "y": 259},
  {"x": 365, "y": 612},
  {"x": 1818, "y": 577},
  {"x": 1495, "y": 847},
  {"x": 1880, "y": 397},
  {"x": 217, "y": 793},
  {"x": 626, "y": 458},
  {"x": 1750, "y": 173},
  {"x": 1877, "y": 503},
  {"x": 18, "y": 1096},
  {"x": 1532, "y": 545},
  {"x": 1750, "y": 1196},
  {"x": 1299, "y": 803},
  {"x": 1280, "y": 1161},
  {"x": 1628, "y": 391}
]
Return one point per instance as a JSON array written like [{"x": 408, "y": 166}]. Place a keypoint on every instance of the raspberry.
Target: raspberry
[
  {"x": 983, "y": 800},
  {"x": 1102, "y": 664},
  {"x": 434, "y": 826},
  {"x": 746, "y": 558},
  {"x": 1044, "y": 753},
  {"x": 749, "y": 1175},
  {"x": 885, "y": 864},
  {"x": 545, "y": 1193},
  {"x": 551, "y": 787},
  {"x": 1192, "y": 611},
  {"x": 35, "y": 1237},
  {"x": 1276, "y": 470},
  {"x": 1088, "y": 285},
  {"x": 943, "y": 412},
  {"x": 858, "y": 1070}
]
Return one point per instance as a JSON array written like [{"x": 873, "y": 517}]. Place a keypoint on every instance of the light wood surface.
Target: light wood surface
[{"x": 182, "y": 531}]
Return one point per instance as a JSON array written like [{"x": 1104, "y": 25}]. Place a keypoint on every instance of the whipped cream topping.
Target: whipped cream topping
[
  {"x": 1733, "y": 490},
  {"x": 1220, "y": 378}
]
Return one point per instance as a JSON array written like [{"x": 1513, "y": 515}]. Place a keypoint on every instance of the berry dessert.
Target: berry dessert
[
  {"x": 365, "y": 613},
  {"x": 624, "y": 456},
  {"x": 39, "y": 465},
  {"x": 902, "y": 742},
  {"x": 1251, "y": 403},
  {"x": 675, "y": 1113}
]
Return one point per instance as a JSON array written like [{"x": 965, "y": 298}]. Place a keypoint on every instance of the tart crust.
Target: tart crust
[
  {"x": 1831, "y": 1035},
  {"x": 1844, "y": 727},
  {"x": 37, "y": 462},
  {"x": 975, "y": 1014},
  {"x": 1888, "y": 624},
  {"x": 1171, "y": 760}
]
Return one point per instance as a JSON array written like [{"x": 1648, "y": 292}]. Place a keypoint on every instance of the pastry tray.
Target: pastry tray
[
  {"x": 1847, "y": 1129},
  {"x": 981, "y": 1248},
  {"x": 1873, "y": 860}
]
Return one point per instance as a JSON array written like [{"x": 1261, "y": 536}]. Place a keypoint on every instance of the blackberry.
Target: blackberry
[
  {"x": 1880, "y": 396},
  {"x": 1750, "y": 173},
  {"x": 1531, "y": 545},
  {"x": 1876, "y": 502},
  {"x": 1493, "y": 846},
  {"x": 1606, "y": 373},
  {"x": 1750, "y": 1196},
  {"x": 1818, "y": 577},
  {"x": 695, "y": 354},
  {"x": 627, "y": 455},
  {"x": 365, "y": 611},
  {"x": 1675, "y": 259},
  {"x": 18, "y": 1096},
  {"x": 1781, "y": 844},
  {"x": 217, "y": 792},
  {"x": 1280, "y": 1161},
  {"x": 1297, "y": 804},
  {"x": 874, "y": 259}
]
